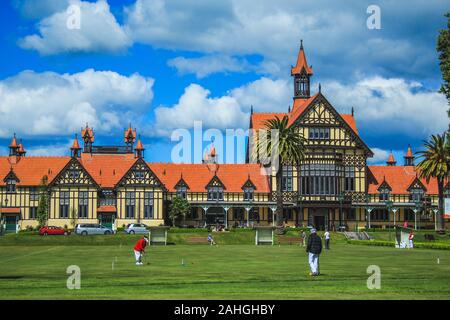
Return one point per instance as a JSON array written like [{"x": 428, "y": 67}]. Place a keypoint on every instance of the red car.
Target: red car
[{"x": 50, "y": 230}]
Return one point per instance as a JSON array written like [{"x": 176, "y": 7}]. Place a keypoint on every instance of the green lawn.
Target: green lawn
[{"x": 231, "y": 271}]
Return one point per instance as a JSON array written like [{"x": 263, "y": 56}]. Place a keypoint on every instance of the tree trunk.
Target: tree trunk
[
  {"x": 441, "y": 220},
  {"x": 280, "y": 217}
]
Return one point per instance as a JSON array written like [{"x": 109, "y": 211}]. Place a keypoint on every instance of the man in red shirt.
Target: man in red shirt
[{"x": 139, "y": 250}]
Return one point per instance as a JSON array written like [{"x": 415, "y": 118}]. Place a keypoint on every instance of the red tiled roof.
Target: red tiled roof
[
  {"x": 391, "y": 158},
  {"x": 299, "y": 106},
  {"x": 105, "y": 209},
  {"x": 30, "y": 170},
  {"x": 399, "y": 179},
  {"x": 259, "y": 118},
  {"x": 75, "y": 144},
  {"x": 107, "y": 170},
  {"x": 409, "y": 153},
  {"x": 197, "y": 176},
  {"x": 350, "y": 120},
  {"x": 139, "y": 145},
  {"x": 130, "y": 132},
  {"x": 301, "y": 63}
]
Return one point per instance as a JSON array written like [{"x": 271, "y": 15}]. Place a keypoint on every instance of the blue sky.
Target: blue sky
[{"x": 164, "y": 64}]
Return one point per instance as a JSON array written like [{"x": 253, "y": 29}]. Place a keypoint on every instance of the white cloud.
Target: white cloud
[
  {"x": 98, "y": 32},
  {"x": 33, "y": 9},
  {"x": 226, "y": 112},
  {"x": 210, "y": 64},
  {"x": 389, "y": 106},
  {"x": 56, "y": 104}
]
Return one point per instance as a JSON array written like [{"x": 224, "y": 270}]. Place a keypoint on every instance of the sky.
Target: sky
[{"x": 162, "y": 65}]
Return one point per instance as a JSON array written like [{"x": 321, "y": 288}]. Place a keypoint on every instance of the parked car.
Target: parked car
[
  {"x": 92, "y": 228},
  {"x": 52, "y": 230},
  {"x": 138, "y": 228}
]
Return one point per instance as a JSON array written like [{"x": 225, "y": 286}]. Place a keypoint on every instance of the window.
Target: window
[
  {"x": 33, "y": 212},
  {"x": 409, "y": 214},
  {"x": 83, "y": 201},
  {"x": 319, "y": 179},
  {"x": 140, "y": 175},
  {"x": 248, "y": 194},
  {"x": 107, "y": 198},
  {"x": 238, "y": 214},
  {"x": 64, "y": 201},
  {"x": 34, "y": 194},
  {"x": 416, "y": 195},
  {"x": 350, "y": 214},
  {"x": 349, "y": 178},
  {"x": 215, "y": 193},
  {"x": 287, "y": 176},
  {"x": 319, "y": 133},
  {"x": 148, "y": 205},
  {"x": 384, "y": 194},
  {"x": 74, "y": 174},
  {"x": 130, "y": 202},
  {"x": 254, "y": 214},
  {"x": 379, "y": 215},
  {"x": 11, "y": 185},
  {"x": 447, "y": 192},
  {"x": 182, "y": 192}
]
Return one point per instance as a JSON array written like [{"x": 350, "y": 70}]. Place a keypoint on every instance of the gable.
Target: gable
[
  {"x": 416, "y": 184},
  {"x": 215, "y": 182},
  {"x": 181, "y": 184},
  {"x": 249, "y": 184},
  {"x": 11, "y": 176},
  {"x": 320, "y": 113},
  {"x": 140, "y": 174},
  {"x": 384, "y": 185},
  {"x": 73, "y": 174}
]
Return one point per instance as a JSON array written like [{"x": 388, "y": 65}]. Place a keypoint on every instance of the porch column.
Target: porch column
[
  {"x": 435, "y": 218},
  {"x": 226, "y": 208},
  {"x": 415, "y": 218},
  {"x": 273, "y": 209},
  {"x": 205, "y": 208},
  {"x": 369, "y": 210},
  {"x": 394, "y": 210},
  {"x": 248, "y": 208}
]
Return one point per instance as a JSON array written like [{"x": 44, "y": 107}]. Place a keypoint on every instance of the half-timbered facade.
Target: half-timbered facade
[{"x": 332, "y": 187}]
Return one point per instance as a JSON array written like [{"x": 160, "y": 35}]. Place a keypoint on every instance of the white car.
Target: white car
[{"x": 136, "y": 228}]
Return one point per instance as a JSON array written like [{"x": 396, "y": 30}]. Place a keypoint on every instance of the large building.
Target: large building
[{"x": 114, "y": 185}]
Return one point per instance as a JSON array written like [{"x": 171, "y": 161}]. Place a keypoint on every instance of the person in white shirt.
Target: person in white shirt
[{"x": 327, "y": 239}]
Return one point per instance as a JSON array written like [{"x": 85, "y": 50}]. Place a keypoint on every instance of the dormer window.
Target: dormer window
[
  {"x": 182, "y": 192},
  {"x": 11, "y": 185},
  {"x": 248, "y": 194},
  {"x": 384, "y": 194},
  {"x": 215, "y": 193},
  {"x": 417, "y": 195}
]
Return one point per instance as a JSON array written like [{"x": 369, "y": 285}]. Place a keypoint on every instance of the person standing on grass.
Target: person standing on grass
[
  {"x": 411, "y": 240},
  {"x": 326, "y": 235},
  {"x": 139, "y": 250},
  {"x": 314, "y": 249},
  {"x": 303, "y": 236}
]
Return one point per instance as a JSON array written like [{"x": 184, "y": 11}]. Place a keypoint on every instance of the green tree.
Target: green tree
[
  {"x": 289, "y": 148},
  {"x": 42, "y": 211},
  {"x": 178, "y": 208},
  {"x": 443, "y": 47},
  {"x": 435, "y": 163},
  {"x": 73, "y": 217}
]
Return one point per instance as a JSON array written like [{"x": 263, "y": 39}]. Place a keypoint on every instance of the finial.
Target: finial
[
  {"x": 320, "y": 88},
  {"x": 353, "y": 111},
  {"x": 301, "y": 43},
  {"x": 289, "y": 109},
  {"x": 251, "y": 109}
]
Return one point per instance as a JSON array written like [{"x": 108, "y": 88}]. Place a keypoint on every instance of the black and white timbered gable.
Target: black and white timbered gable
[
  {"x": 74, "y": 175},
  {"x": 140, "y": 174}
]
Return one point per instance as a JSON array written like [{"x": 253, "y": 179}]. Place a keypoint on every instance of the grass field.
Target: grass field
[{"x": 230, "y": 271}]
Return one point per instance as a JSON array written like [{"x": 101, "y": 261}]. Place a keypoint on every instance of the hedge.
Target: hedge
[{"x": 423, "y": 245}]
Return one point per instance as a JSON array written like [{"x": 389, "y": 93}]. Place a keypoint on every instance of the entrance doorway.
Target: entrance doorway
[
  {"x": 11, "y": 223},
  {"x": 107, "y": 220},
  {"x": 319, "y": 218},
  {"x": 319, "y": 222}
]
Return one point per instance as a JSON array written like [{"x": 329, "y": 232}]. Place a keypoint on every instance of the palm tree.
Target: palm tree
[
  {"x": 289, "y": 148},
  {"x": 436, "y": 164}
]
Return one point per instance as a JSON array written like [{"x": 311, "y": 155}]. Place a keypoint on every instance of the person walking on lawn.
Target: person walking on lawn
[
  {"x": 326, "y": 235},
  {"x": 314, "y": 249},
  {"x": 139, "y": 250}
]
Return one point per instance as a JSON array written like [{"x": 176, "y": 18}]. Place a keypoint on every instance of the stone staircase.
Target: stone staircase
[{"x": 357, "y": 235}]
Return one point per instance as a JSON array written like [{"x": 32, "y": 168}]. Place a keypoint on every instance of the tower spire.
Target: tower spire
[{"x": 302, "y": 73}]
